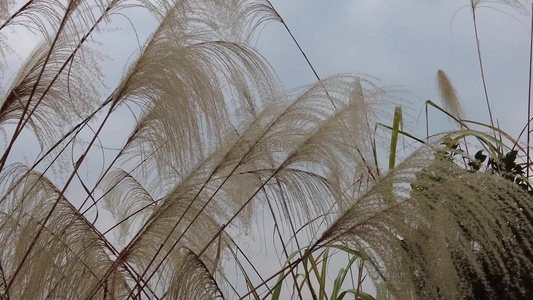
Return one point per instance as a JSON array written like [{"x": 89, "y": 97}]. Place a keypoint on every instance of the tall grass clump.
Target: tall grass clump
[{"x": 218, "y": 154}]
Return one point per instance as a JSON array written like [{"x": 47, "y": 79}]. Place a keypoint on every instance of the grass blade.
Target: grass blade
[{"x": 396, "y": 124}]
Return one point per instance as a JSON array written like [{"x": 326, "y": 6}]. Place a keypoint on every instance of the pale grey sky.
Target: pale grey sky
[{"x": 402, "y": 43}]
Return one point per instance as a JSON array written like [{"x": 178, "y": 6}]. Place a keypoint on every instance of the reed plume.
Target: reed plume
[{"x": 449, "y": 96}]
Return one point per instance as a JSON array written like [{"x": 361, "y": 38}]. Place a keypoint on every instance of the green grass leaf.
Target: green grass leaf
[{"x": 396, "y": 124}]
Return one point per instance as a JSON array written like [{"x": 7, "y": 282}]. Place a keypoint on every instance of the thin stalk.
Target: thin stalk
[
  {"x": 118, "y": 182},
  {"x": 283, "y": 244},
  {"x": 300, "y": 49},
  {"x": 20, "y": 123},
  {"x": 244, "y": 255},
  {"x": 223, "y": 227},
  {"x": 294, "y": 232},
  {"x": 281, "y": 272},
  {"x": 224, "y": 277},
  {"x": 515, "y": 143},
  {"x": 91, "y": 192},
  {"x": 529, "y": 93},
  {"x": 23, "y": 8},
  {"x": 242, "y": 207},
  {"x": 192, "y": 222},
  {"x": 481, "y": 65},
  {"x": 56, "y": 203},
  {"x": 69, "y": 59},
  {"x": 359, "y": 279},
  {"x": 134, "y": 241},
  {"x": 291, "y": 223},
  {"x": 76, "y": 129},
  {"x": 247, "y": 279},
  {"x": 318, "y": 79}
]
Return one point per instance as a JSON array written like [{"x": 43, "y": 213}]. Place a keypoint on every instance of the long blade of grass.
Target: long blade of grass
[
  {"x": 429, "y": 102},
  {"x": 427, "y": 119},
  {"x": 323, "y": 273},
  {"x": 396, "y": 124},
  {"x": 498, "y": 130},
  {"x": 407, "y": 134},
  {"x": 349, "y": 251},
  {"x": 362, "y": 295},
  {"x": 529, "y": 92},
  {"x": 252, "y": 288},
  {"x": 359, "y": 254},
  {"x": 308, "y": 277},
  {"x": 339, "y": 280},
  {"x": 279, "y": 284},
  {"x": 321, "y": 279}
]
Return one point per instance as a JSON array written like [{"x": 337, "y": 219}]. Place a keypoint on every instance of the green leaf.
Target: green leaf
[
  {"x": 323, "y": 274},
  {"x": 307, "y": 278},
  {"x": 339, "y": 280},
  {"x": 396, "y": 124},
  {"x": 509, "y": 160},
  {"x": 361, "y": 294},
  {"x": 480, "y": 156},
  {"x": 321, "y": 279},
  {"x": 277, "y": 290},
  {"x": 350, "y": 251},
  {"x": 279, "y": 284}
]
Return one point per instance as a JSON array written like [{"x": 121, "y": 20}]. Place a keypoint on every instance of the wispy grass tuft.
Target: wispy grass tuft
[{"x": 449, "y": 96}]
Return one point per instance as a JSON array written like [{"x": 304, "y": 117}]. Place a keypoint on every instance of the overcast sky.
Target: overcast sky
[
  {"x": 402, "y": 43},
  {"x": 405, "y": 43}
]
